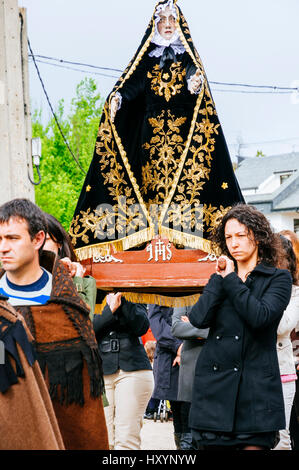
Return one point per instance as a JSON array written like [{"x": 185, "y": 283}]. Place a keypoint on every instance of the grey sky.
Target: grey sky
[{"x": 254, "y": 42}]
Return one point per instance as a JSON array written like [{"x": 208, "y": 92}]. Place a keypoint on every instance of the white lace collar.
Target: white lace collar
[{"x": 177, "y": 46}]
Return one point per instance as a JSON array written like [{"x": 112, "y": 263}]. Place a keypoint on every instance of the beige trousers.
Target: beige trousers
[
  {"x": 128, "y": 394},
  {"x": 289, "y": 389}
]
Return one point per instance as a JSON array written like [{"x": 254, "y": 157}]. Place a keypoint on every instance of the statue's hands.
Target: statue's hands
[
  {"x": 195, "y": 82},
  {"x": 114, "y": 107}
]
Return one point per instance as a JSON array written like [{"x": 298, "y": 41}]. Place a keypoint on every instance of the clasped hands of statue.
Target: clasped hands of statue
[{"x": 194, "y": 85}]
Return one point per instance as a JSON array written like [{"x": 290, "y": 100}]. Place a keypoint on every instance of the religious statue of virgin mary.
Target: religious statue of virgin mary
[{"x": 161, "y": 165}]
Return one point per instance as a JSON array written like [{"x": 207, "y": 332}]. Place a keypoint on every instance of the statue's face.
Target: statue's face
[{"x": 167, "y": 24}]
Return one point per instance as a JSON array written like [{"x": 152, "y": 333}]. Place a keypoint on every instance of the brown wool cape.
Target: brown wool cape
[
  {"x": 27, "y": 418},
  {"x": 67, "y": 353}
]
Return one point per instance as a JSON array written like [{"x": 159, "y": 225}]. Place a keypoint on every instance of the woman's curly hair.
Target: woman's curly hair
[
  {"x": 287, "y": 257},
  {"x": 294, "y": 240},
  {"x": 257, "y": 225}
]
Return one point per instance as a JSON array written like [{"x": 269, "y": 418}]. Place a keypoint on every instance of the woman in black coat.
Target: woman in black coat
[
  {"x": 127, "y": 371},
  {"x": 237, "y": 395},
  {"x": 166, "y": 367}
]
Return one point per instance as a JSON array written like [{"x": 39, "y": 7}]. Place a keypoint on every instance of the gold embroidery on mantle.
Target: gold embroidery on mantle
[
  {"x": 108, "y": 131},
  {"x": 167, "y": 146},
  {"x": 167, "y": 84},
  {"x": 124, "y": 216},
  {"x": 186, "y": 209}
]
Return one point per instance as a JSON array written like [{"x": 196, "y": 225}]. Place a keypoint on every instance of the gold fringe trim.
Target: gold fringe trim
[
  {"x": 115, "y": 246},
  {"x": 174, "y": 236},
  {"x": 157, "y": 299},
  {"x": 99, "y": 307},
  {"x": 163, "y": 300},
  {"x": 181, "y": 238}
]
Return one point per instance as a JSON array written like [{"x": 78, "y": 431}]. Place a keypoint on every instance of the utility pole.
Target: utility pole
[{"x": 15, "y": 119}]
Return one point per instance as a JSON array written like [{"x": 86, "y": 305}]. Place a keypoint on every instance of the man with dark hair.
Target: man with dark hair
[
  {"x": 22, "y": 236},
  {"x": 27, "y": 211},
  {"x": 58, "y": 320}
]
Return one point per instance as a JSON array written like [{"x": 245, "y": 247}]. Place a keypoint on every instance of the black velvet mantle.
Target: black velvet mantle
[{"x": 163, "y": 166}]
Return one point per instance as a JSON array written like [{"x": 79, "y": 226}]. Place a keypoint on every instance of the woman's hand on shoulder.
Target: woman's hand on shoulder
[
  {"x": 74, "y": 268},
  {"x": 114, "y": 301}
]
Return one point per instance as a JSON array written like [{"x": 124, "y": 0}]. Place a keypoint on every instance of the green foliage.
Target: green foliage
[
  {"x": 62, "y": 179},
  {"x": 260, "y": 153}
]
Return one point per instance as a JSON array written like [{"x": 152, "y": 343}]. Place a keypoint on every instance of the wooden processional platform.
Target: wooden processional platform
[{"x": 158, "y": 268}]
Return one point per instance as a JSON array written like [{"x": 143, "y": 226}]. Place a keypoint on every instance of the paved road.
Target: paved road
[{"x": 157, "y": 435}]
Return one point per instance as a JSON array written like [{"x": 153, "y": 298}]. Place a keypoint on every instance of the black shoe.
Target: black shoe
[
  {"x": 177, "y": 440},
  {"x": 148, "y": 415},
  {"x": 186, "y": 441}
]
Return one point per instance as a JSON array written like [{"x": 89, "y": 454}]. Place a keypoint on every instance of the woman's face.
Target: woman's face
[
  {"x": 167, "y": 25},
  {"x": 50, "y": 245},
  {"x": 240, "y": 242}
]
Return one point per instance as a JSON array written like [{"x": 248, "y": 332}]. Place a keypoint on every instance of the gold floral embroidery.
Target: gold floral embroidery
[
  {"x": 167, "y": 84},
  {"x": 124, "y": 216},
  {"x": 193, "y": 218},
  {"x": 167, "y": 146},
  {"x": 186, "y": 209}
]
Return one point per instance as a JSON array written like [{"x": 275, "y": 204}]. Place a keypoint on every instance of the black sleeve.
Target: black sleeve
[
  {"x": 135, "y": 317},
  {"x": 134, "y": 86},
  {"x": 103, "y": 320},
  {"x": 260, "y": 313},
  {"x": 203, "y": 312},
  {"x": 132, "y": 316}
]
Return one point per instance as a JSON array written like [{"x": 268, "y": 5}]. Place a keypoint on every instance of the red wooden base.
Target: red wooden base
[{"x": 160, "y": 267}]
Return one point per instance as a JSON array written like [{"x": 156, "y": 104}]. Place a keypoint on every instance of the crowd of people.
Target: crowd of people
[{"x": 80, "y": 380}]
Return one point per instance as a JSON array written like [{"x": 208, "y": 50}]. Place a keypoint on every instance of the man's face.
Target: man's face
[
  {"x": 17, "y": 250},
  {"x": 167, "y": 24}
]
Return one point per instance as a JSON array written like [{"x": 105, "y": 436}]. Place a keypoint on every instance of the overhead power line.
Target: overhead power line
[
  {"x": 270, "y": 88},
  {"x": 75, "y": 69},
  {"x": 77, "y": 63},
  {"x": 36, "y": 58},
  {"x": 273, "y": 87},
  {"x": 253, "y": 92},
  {"x": 52, "y": 110},
  {"x": 276, "y": 141}
]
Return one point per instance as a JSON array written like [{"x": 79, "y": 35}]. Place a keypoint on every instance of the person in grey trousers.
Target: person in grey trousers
[{"x": 193, "y": 341}]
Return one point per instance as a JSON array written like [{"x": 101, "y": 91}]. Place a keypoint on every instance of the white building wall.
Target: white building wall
[{"x": 282, "y": 221}]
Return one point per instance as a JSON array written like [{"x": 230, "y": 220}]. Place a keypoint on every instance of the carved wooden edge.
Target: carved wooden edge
[{"x": 159, "y": 266}]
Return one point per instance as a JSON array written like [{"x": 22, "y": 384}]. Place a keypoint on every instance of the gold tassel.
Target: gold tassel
[
  {"x": 106, "y": 248},
  {"x": 185, "y": 239},
  {"x": 157, "y": 299},
  {"x": 100, "y": 307}
]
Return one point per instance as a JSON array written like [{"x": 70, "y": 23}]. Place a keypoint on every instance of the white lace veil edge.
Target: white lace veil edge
[{"x": 157, "y": 38}]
